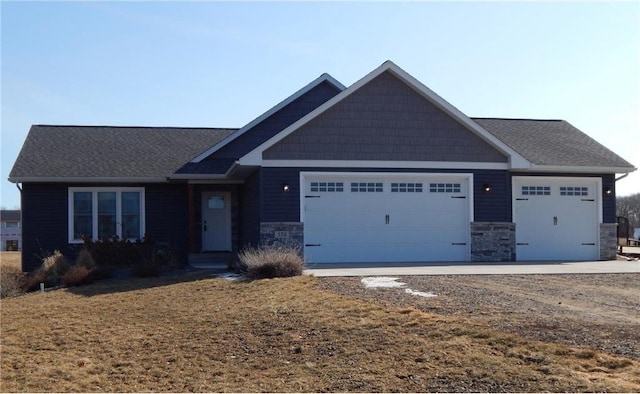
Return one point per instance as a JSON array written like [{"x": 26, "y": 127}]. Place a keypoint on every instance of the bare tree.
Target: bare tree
[{"x": 629, "y": 207}]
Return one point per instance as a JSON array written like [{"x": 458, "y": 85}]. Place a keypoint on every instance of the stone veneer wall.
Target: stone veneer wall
[
  {"x": 282, "y": 233},
  {"x": 493, "y": 242},
  {"x": 608, "y": 241}
]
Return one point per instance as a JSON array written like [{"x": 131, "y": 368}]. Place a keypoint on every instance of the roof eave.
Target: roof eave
[
  {"x": 580, "y": 169},
  {"x": 46, "y": 179}
]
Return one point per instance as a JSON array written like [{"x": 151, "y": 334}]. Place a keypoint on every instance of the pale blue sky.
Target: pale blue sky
[{"x": 218, "y": 64}]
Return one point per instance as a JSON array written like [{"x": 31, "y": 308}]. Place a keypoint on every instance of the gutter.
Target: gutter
[{"x": 626, "y": 174}]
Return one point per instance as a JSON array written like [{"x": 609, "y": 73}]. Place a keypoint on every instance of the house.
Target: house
[
  {"x": 10, "y": 230},
  {"x": 384, "y": 170}
]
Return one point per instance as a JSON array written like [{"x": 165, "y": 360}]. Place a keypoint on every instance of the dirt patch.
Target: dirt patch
[{"x": 598, "y": 311}]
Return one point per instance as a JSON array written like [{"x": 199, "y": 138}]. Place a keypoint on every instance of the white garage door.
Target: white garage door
[
  {"x": 385, "y": 217},
  {"x": 556, "y": 218}
]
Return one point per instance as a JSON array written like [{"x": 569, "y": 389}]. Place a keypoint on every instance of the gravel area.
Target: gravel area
[{"x": 598, "y": 311}]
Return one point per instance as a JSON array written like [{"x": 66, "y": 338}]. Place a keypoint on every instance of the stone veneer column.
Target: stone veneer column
[
  {"x": 608, "y": 241},
  {"x": 282, "y": 233},
  {"x": 493, "y": 241}
]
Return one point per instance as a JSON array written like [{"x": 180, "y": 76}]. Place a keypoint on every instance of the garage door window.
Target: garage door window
[
  {"x": 406, "y": 187},
  {"x": 536, "y": 190},
  {"x": 366, "y": 187},
  {"x": 444, "y": 188},
  {"x": 327, "y": 187},
  {"x": 574, "y": 191}
]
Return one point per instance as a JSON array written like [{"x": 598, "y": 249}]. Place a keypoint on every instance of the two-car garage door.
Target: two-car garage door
[{"x": 385, "y": 217}]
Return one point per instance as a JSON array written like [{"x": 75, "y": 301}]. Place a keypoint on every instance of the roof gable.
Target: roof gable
[
  {"x": 274, "y": 120},
  {"x": 255, "y": 157},
  {"x": 384, "y": 120},
  {"x": 102, "y": 152}
]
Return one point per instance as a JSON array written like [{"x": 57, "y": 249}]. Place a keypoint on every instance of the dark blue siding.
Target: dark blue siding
[
  {"x": 285, "y": 207},
  {"x": 277, "y": 122},
  {"x": 250, "y": 210},
  {"x": 45, "y": 218},
  {"x": 609, "y": 202},
  {"x": 44, "y": 222},
  {"x": 494, "y": 206},
  {"x": 166, "y": 215}
]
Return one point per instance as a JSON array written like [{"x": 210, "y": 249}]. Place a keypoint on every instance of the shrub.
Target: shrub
[
  {"x": 11, "y": 282},
  {"x": 77, "y": 275},
  {"x": 274, "y": 261},
  {"x": 117, "y": 252},
  {"x": 54, "y": 266},
  {"x": 85, "y": 259}
]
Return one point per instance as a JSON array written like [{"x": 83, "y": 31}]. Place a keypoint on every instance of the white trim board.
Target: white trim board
[{"x": 441, "y": 165}]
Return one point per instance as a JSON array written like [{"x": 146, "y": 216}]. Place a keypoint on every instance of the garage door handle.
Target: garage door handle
[
  {"x": 312, "y": 244},
  {"x": 311, "y": 196},
  {"x": 458, "y": 197},
  {"x": 587, "y": 199},
  {"x": 458, "y": 243},
  {"x": 522, "y": 199},
  {"x": 588, "y": 243},
  {"x": 522, "y": 243},
  {"x": 555, "y": 220},
  {"x": 386, "y": 219}
]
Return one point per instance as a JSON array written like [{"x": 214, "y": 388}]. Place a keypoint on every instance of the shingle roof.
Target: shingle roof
[
  {"x": 552, "y": 143},
  {"x": 9, "y": 214},
  {"x": 105, "y": 151}
]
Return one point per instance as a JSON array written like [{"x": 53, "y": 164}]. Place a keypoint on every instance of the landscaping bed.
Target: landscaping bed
[{"x": 598, "y": 311}]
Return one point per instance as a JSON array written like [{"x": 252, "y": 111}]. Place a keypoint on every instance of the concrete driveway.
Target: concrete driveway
[{"x": 511, "y": 268}]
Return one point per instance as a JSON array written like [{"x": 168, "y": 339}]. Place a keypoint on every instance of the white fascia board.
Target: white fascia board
[
  {"x": 516, "y": 160},
  {"x": 198, "y": 176},
  {"x": 578, "y": 169},
  {"x": 324, "y": 77},
  {"x": 36, "y": 179},
  {"x": 385, "y": 164}
]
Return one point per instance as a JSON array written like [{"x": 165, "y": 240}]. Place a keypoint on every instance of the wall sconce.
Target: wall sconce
[
  {"x": 607, "y": 191},
  {"x": 285, "y": 187},
  {"x": 486, "y": 188}
]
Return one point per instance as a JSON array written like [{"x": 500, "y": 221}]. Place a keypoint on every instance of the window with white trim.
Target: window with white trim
[
  {"x": 12, "y": 224},
  {"x": 105, "y": 212},
  {"x": 327, "y": 187},
  {"x": 406, "y": 187},
  {"x": 536, "y": 190},
  {"x": 574, "y": 191},
  {"x": 444, "y": 188},
  {"x": 366, "y": 187}
]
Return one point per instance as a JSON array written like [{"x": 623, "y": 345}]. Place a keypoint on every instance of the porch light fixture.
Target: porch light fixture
[
  {"x": 486, "y": 188},
  {"x": 285, "y": 187},
  {"x": 607, "y": 191}
]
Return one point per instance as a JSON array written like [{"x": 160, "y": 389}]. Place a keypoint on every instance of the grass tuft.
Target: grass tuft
[
  {"x": 275, "y": 261},
  {"x": 11, "y": 282}
]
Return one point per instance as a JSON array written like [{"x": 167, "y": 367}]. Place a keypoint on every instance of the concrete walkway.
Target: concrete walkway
[{"x": 512, "y": 268}]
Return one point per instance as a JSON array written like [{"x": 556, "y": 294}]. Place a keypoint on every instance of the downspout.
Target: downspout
[
  {"x": 19, "y": 188},
  {"x": 626, "y": 174}
]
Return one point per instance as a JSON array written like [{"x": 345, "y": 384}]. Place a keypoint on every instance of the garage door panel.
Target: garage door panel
[
  {"x": 556, "y": 219},
  {"x": 399, "y": 219}
]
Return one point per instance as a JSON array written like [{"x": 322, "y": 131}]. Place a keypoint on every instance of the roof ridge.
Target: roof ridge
[
  {"x": 529, "y": 119},
  {"x": 137, "y": 127}
]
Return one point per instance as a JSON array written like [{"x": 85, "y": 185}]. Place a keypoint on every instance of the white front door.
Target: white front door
[
  {"x": 216, "y": 221},
  {"x": 556, "y": 218}
]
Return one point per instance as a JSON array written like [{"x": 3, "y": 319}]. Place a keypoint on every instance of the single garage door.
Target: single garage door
[
  {"x": 385, "y": 217},
  {"x": 556, "y": 218}
]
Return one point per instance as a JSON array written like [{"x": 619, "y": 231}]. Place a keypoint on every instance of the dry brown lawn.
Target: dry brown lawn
[{"x": 199, "y": 333}]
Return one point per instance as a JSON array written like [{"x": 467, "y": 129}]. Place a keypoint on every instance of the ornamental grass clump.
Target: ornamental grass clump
[{"x": 273, "y": 261}]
